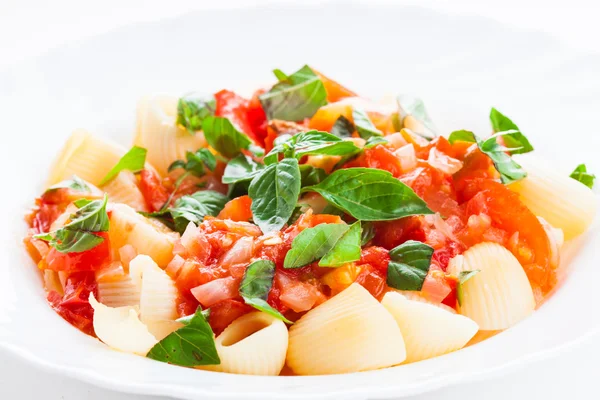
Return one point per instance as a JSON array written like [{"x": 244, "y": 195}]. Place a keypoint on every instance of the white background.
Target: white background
[{"x": 29, "y": 28}]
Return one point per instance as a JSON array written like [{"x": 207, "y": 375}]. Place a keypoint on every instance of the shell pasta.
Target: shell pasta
[{"x": 287, "y": 234}]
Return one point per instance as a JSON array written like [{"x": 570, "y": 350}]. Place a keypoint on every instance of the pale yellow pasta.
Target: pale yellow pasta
[
  {"x": 117, "y": 288},
  {"x": 121, "y": 329},
  {"x": 52, "y": 281},
  {"x": 554, "y": 196},
  {"x": 428, "y": 330},
  {"x": 146, "y": 236},
  {"x": 86, "y": 156},
  {"x": 254, "y": 344},
  {"x": 499, "y": 296},
  {"x": 123, "y": 188},
  {"x": 350, "y": 332},
  {"x": 158, "y": 132}
]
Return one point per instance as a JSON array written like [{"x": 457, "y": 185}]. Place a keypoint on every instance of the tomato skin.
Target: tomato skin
[
  {"x": 154, "y": 192},
  {"x": 225, "y": 312},
  {"x": 379, "y": 157},
  {"x": 74, "y": 305},
  {"x": 378, "y": 257},
  {"x": 257, "y": 117},
  {"x": 237, "y": 209},
  {"x": 234, "y": 107},
  {"x": 90, "y": 260}
]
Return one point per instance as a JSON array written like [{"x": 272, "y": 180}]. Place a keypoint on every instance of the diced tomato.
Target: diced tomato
[
  {"x": 196, "y": 243},
  {"x": 444, "y": 255},
  {"x": 225, "y": 312},
  {"x": 379, "y": 157},
  {"x": 234, "y": 107},
  {"x": 390, "y": 234},
  {"x": 340, "y": 278},
  {"x": 373, "y": 280},
  {"x": 89, "y": 260},
  {"x": 335, "y": 91},
  {"x": 237, "y": 209},
  {"x": 74, "y": 306},
  {"x": 217, "y": 290},
  {"x": 44, "y": 216},
  {"x": 300, "y": 296},
  {"x": 186, "y": 304},
  {"x": 476, "y": 166},
  {"x": 155, "y": 194},
  {"x": 190, "y": 276},
  {"x": 257, "y": 117},
  {"x": 451, "y": 300},
  {"x": 436, "y": 287},
  {"x": 378, "y": 257}
]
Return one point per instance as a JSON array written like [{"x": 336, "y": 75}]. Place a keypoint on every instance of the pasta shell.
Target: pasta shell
[
  {"x": 499, "y": 296},
  {"x": 559, "y": 199},
  {"x": 428, "y": 330},
  {"x": 129, "y": 227},
  {"x": 86, "y": 156},
  {"x": 117, "y": 289},
  {"x": 254, "y": 344},
  {"x": 350, "y": 332},
  {"x": 158, "y": 132},
  {"x": 121, "y": 329},
  {"x": 123, "y": 188}
]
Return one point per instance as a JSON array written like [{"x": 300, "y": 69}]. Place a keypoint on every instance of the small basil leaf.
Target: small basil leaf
[
  {"x": 462, "y": 136},
  {"x": 370, "y": 194},
  {"x": 409, "y": 265},
  {"x": 516, "y": 140},
  {"x": 256, "y": 284},
  {"x": 75, "y": 183},
  {"x": 241, "y": 168},
  {"x": 414, "y": 116},
  {"x": 368, "y": 232},
  {"x": 363, "y": 124},
  {"x": 581, "y": 174},
  {"x": 462, "y": 278},
  {"x": 313, "y": 243},
  {"x": 194, "y": 207},
  {"x": 224, "y": 137},
  {"x": 346, "y": 249},
  {"x": 374, "y": 141},
  {"x": 188, "y": 318},
  {"x": 195, "y": 162},
  {"x": 311, "y": 143},
  {"x": 274, "y": 193},
  {"x": 342, "y": 127},
  {"x": 189, "y": 346},
  {"x": 310, "y": 175},
  {"x": 280, "y": 75},
  {"x": 296, "y": 97},
  {"x": 133, "y": 161},
  {"x": 192, "y": 109}
]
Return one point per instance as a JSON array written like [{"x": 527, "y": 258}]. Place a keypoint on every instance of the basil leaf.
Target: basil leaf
[
  {"x": 581, "y": 174},
  {"x": 370, "y": 194},
  {"x": 78, "y": 235},
  {"x": 195, "y": 162},
  {"x": 313, "y": 243},
  {"x": 189, "y": 346},
  {"x": 374, "y": 141},
  {"x": 516, "y": 140},
  {"x": 280, "y": 75},
  {"x": 133, "y": 161},
  {"x": 188, "y": 318},
  {"x": 363, "y": 124},
  {"x": 508, "y": 168},
  {"x": 192, "y": 109},
  {"x": 462, "y": 278},
  {"x": 274, "y": 193},
  {"x": 194, "y": 207},
  {"x": 312, "y": 143},
  {"x": 224, "y": 137},
  {"x": 409, "y": 265},
  {"x": 296, "y": 97},
  {"x": 75, "y": 183},
  {"x": 241, "y": 168},
  {"x": 368, "y": 232},
  {"x": 310, "y": 175},
  {"x": 342, "y": 127},
  {"x": 346, "y": 249},
  {"x": 256, "y": 284},
  {"x": 414, "y": 116}
]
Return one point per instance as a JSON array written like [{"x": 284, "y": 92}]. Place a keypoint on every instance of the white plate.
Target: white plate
[{"x": 461, "y": 66}]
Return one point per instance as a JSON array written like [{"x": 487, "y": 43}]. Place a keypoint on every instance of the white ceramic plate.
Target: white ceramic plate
[{"x": 461, "y": 66}]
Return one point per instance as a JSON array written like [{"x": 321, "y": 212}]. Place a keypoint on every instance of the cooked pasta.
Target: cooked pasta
[
  {"x": 124, "y": 189},
  {"x": 121, "y": 329},
  {"x": 147, "y": 237},
  {"x": 158, "y": 132},
  {"x": 116, "y": 288},
  {"x": 499, "y": 296},
  {"x": 428, "y": 329},
  {"x": 559, "y": 199},
  {"x": 86, "y": 156},
  {"x": 254, "y": 344},
  {"x": 351, "y": 332}
]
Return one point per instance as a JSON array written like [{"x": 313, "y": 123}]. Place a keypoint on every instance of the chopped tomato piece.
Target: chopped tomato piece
[
  {"x": 372, "y": 280},
  {"x": 378, "y": 257},
  {"x": 234, "y": 107},
  {"x": 340, "y": 278},
  {"x": 89, "y": 260},
  {"x": 436, "y": 287},
  {"x": 390, "y": 234},
  {"x": 154, "y": 192},
  {"x": 257, "y": 117},
  {"x": 335, "y": 91},
  {"x": 237, "y": 209},
  {"x": 379, "y": 157},
  {"x": 225, "y": 312},
  {"x": 186, "y": 304},
  {"x": 74, "y": 306},
  {"x": 217, "y": 290},
  {"x": 44, "y": 216}
]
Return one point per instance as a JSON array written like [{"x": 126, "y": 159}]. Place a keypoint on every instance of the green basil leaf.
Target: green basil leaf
[
  {"x": 256, "y": 284},
  {"x": 363, "y": 124},
  {"x": 418, "y": 120},
  {"x": 274, "y": 193},
  {"x": 409, "y": 265},
  {"x": 241, "y": 168},
  {"x": 310, "y": 175},
  {"x": 581, "y": 174},
  {"x": 462, "y": 136},
  {"x": 370, "y": 194},
  {"x": 462, "y": 278},
  {"x": 296, "y": 97},
  {"x": 195, "y": 162},
  {"x": 189, "y": 346},
  {"x": 368, "y": 232},
  {"x": 75, "y": 183},
  {"x": 224, "y": 137},
  {"x": 192, "y": 109},
  {"x": 346, "y": 249},
  {"x": 374, "y": 141},
  {"x": 280, "y": 75},
  {"x": 313, "y": 243},
  {"x": 194, "y": 207},
  {"x": 133, "y": 161},
  {"x": 79, "y": 235},
  {"x": 516, "y": 140},
  {"x": 311, "y": 143},
  {"x": 188, "y": 318},
  {"x": 343, "y": 127}
]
